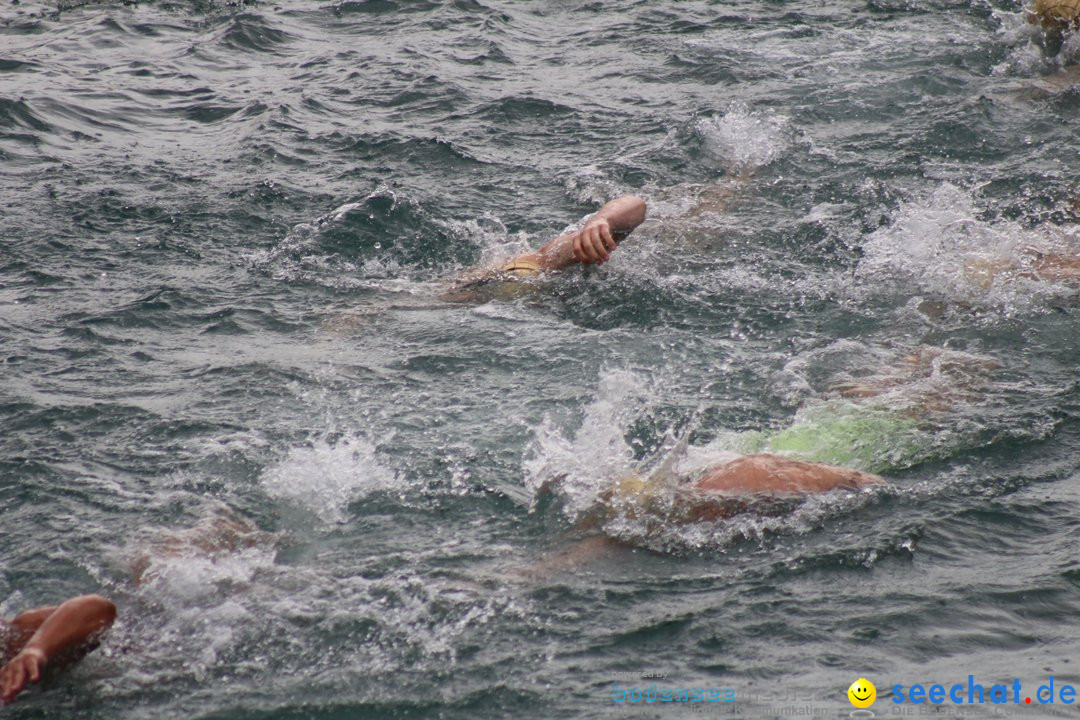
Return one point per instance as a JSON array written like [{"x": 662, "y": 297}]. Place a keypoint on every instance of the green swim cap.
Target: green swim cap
[{"x": 853, "y": 436}]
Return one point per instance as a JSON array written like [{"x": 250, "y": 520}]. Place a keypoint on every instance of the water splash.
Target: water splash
[
  {"x": 589, "y": 185},
  {"x": 359, "y": 244},
  {"x": 12, "y": 605},
  {"x": 807, "y": 515},
  {"x": 942, "y": 246},
  {"x": 491, "y": 236},
  {"x": 597, "y": 454},
  {"x": 1032, "y": 50},
  {"x": 327, "y": 475},
  {"x": 744, "y": 140},
  {"x": 183, "y": 580},
  {"x": 581, "y": 469},
  {"x": 297, "y": 256}
]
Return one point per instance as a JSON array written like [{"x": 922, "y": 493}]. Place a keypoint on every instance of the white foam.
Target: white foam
[
  {"x": 1027, "y": 43},
  {"x": 12, "y": 605},
  {"x": 297, "y": 257},
  {"x": 326, "y": 476},
  {"x": 590, "y": 186},
  {"x": 597, "y": 453},
  {"x": 433, "y": 616},
  {"x": 942, "y": 246},
  {"x": 1070, "y": 50},
  {"x": 744, "y": 140},
  {"x": 186, "y": 579},
  {"x": 809, "y": 514}
]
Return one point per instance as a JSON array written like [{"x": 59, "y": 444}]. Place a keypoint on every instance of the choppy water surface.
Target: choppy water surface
[{"x": 225, "y": 228}]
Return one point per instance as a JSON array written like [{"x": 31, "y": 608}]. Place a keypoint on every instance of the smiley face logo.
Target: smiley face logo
[{"x": 862, "y": 693}]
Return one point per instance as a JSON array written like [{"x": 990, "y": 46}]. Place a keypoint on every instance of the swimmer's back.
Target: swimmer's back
[{"x": 753, "y": 474}]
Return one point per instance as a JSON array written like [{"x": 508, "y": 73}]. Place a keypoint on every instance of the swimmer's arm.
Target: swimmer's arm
[
  {"x": 594, "y": 242},
  {"x": 621, "y": 216},
  {"x": 53, "y": 636}
]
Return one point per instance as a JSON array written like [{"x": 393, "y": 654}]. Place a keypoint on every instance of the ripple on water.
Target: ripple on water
[
  {"x": 17, "y": 114},
  {"x": 248, "y": 32}
]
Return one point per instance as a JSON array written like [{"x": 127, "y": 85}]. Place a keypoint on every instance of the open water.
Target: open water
[{"x": 225, "y": 228}]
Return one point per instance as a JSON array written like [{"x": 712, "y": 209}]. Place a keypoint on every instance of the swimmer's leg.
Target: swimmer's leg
[{"x": 1055, "y": 267}]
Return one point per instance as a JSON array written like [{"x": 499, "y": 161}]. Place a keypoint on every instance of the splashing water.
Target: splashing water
[
  {"x": 489, "y": 233},
  {"x": 308, "y": 254},
  {"x": 326, "y": 476},
  {"x": 597, "y": 453},
  {"x": 744, "y": 140},
  {"x": 1031, "y": 49},
  {"x": 941, "y": 246}
]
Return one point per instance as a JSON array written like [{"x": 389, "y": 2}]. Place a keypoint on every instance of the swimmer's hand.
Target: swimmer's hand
[
  {"x": 594, "y": 242},
  {"x": 24, "y": 669},
  {"x": 60, "y": 635}
]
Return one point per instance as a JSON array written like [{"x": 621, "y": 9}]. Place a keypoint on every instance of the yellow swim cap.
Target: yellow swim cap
[
  {"x": 525, "y": 268},
  {"x": 1057, "y": 14},
  {"x": 630, "y": 485}
]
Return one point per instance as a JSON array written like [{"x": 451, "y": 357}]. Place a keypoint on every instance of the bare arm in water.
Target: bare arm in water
[
  {"x": 51, "y": 637},
  {"x": 594, "y": 242}
]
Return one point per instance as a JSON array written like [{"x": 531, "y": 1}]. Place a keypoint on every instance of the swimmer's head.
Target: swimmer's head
[
  {"x": 630, "y": 487},
  {"x": 1058, "y": 15},
  {"x": 632, "y": 492}
]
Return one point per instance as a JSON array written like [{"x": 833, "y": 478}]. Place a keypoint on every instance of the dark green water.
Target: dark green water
[{"x": 225, "y": 228}]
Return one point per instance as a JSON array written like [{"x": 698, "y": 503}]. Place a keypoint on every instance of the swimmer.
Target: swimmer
[
  {"x": 763, "y": 484},
  {"x": 1054, "y": 261},
  {"x": 693, "y": 200},
  {"x": 217, "y": 537},
  {"x": 929, "y": 380},
  {"x": 1031, "y": 264},
  {"x": 49, "y": 637},
  {"x": 1056, "y": 15},
  {"x": 591, "y": 245},
  {"x": 864, "y": 425},
  {"x": 1056, "y": 20}
]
